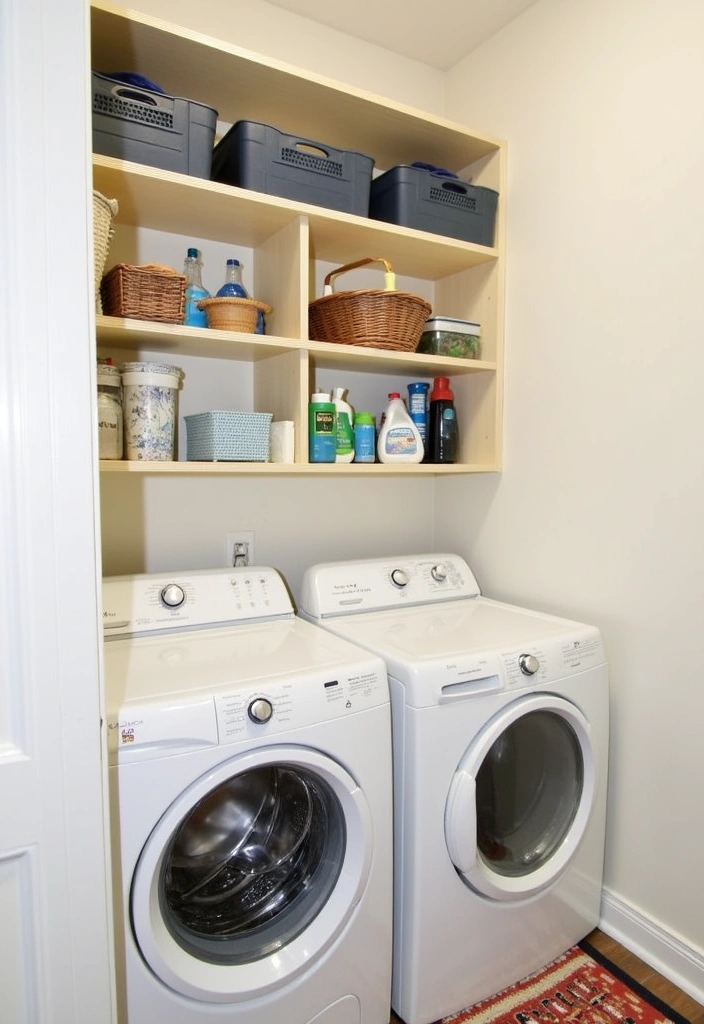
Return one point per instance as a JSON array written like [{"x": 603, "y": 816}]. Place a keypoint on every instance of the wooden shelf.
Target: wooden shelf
[
  {"x": 242, "y": 85},
  {"x": 286, "y": 469},
  {"x": 133, "y": 335}
]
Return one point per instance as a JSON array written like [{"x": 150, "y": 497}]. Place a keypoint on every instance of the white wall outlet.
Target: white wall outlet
[{"x": 239, "y": 548}]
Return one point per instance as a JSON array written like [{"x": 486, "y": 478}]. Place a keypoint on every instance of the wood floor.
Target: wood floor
[{"x": 641, "y": 972}]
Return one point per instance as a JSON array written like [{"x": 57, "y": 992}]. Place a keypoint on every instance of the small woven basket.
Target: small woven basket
[
  {"x": 385, "y": 318},
  {"x": 150, "y": 292},
  {"x": 224, "y": 436},
  {"x": 103, "y": 212},
  {"x": 231, "y": 314}
]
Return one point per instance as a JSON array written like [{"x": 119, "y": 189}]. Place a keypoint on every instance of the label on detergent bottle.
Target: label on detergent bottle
[{"x": 400, "y": 441}]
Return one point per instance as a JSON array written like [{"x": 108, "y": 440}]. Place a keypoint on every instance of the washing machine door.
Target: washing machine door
[
  {"x": 251, "y": 874},
  {"x": 520, "y": 798}
]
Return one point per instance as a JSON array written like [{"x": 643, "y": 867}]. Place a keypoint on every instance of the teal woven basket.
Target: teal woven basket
[{"x": 222, "y": 436}]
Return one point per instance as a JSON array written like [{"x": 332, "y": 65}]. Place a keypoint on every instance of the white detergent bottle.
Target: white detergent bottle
[
  {"x": 344, "y": 426},
  {"x": 399, "y": 439}
]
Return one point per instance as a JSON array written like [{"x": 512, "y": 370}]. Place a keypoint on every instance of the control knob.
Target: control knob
[
  {"x": 399, "y": 577},
  {"x": 172, "y": 595},
  {"x": 528, "y": 664},
  {"x": 439, "y": 573},
  {"x": 260, "y": 710}
]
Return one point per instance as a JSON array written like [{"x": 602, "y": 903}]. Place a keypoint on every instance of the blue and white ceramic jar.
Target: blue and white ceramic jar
[{"x": 149, "y": 392}]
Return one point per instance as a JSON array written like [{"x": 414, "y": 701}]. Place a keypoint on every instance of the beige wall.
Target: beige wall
[{"x": 600, "y": 509}]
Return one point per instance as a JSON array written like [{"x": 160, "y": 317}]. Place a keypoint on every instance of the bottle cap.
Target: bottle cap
[
  {"x": 192, "y": 254},
  {"x": 366, "y": 418},
  {"x": 394, "y": 394},
  {"x": 233, "y": 263},
  {"x": 441, "y": 390}
]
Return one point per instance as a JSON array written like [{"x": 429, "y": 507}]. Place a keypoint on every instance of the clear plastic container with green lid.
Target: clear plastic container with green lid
[{"x": 446, "y": 336}]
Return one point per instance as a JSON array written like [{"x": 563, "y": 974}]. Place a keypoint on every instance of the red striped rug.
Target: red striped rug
[{"x": 581, "y": 987}]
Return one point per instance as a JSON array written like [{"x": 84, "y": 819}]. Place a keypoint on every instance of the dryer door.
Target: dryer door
[
  {"x": 251, "y": 874},
  {"x": 520, "y": 799}
]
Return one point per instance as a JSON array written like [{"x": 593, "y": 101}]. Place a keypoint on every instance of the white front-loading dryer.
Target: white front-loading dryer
[
  {"x": 250, "y": 784},
  {"x": 500, "y": 734}
]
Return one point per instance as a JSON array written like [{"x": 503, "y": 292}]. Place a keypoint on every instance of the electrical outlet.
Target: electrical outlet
[{"x": 239, "y": 548}]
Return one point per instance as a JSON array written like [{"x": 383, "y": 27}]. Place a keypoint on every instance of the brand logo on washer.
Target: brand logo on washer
[{"x": 127, "y": 734}]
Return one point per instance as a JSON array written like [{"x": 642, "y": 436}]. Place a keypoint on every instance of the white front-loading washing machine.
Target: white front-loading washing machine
[
  {"x": 500, "y": 734},
  {"x": 250, "y": 783}
]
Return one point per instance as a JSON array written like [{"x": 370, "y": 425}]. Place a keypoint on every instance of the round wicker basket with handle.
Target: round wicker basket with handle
[
  {"x": 103, "y": 212},
  {"x": 375, "y": 318}
]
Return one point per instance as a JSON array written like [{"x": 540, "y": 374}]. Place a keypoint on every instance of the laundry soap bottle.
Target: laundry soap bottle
[
  {"x": 322, "y": 440},
  {"x": 399, "y": 438},
  {"x": 194, "y": 317},
  {"x": 233, "y": 287},
  {"x": 443, "y": 437},
  {"x": 344, "y": 427}
]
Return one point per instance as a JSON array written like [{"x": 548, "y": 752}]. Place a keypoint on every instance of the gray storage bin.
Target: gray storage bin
[
  {"x": 152, "y": 128},
  {"x": 262, "y": 158},
  {"x": 414, "y": 197}
]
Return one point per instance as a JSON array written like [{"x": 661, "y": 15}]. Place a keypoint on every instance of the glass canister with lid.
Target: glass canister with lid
[{"x": 109, "y": 412}]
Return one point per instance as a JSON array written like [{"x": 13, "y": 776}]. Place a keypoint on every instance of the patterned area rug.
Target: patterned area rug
[{"x": 581, "y": 987}]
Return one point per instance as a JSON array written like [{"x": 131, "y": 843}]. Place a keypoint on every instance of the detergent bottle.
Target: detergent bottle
[
  {"x": 399, "y": 438},
  {"x": 344, "y": 427}
]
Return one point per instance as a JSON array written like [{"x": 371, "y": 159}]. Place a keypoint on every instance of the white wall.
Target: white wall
[{"x": 599, "y": 511}]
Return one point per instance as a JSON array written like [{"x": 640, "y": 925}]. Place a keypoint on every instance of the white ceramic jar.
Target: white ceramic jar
[{"x": 149, "y": 410}]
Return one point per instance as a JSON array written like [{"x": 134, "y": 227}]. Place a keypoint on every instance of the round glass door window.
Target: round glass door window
[
  {"x": 521, "y": 797},
  {"x": 529, "y": 787},
  {"x": 252, "y": 864}
]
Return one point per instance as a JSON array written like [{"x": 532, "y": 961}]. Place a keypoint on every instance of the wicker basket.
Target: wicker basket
[
  {"x": 385, "y": 318},
  {"x": 223, "y": 436},
  {"x": 231, "y": 314},
  {"x": 151, "y": 292},
  {"x": 103, "y": 212}
]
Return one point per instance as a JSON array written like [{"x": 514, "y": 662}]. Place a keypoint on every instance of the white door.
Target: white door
[
  {"x": 54, "y": 937},
  {"x": 521, "y": 797}
]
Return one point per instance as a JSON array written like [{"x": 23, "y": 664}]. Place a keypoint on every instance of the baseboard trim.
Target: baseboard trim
[{"x": 670, "y": 956}]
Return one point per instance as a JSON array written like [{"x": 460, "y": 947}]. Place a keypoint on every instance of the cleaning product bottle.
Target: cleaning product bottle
[
  {"x": 443, "y": 437},
  {"x": 399, "y": 439},
  {"x": 322, "y": 441},
  {"x": 233, "y": 287},
  {"x": 364, "y": 437},
  {"x": 418, "y": 408},
  {"x": 344, "y": 430},
  {"x": 194, "y": 317}
]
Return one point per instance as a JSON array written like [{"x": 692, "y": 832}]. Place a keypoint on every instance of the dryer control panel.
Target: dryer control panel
[
  {"x": 341, "y": 588},
  {"x": 154, "y": 602}
]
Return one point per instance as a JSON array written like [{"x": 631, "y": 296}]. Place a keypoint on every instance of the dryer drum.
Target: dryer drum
[{"x": 528, "y": 792}]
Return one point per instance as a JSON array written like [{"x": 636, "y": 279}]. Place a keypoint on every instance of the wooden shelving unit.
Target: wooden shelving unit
[{"x": 288, "y": 239}]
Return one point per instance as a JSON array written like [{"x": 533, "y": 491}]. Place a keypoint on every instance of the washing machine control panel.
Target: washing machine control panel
[
  {"x": 156, "y": 603},
  {"x": 374, "y": 584}
]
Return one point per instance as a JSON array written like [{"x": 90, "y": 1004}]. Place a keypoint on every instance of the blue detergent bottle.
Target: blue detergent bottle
[
  {"x": 194, "y": 317},
  {"x": 233, "y": 287}
]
